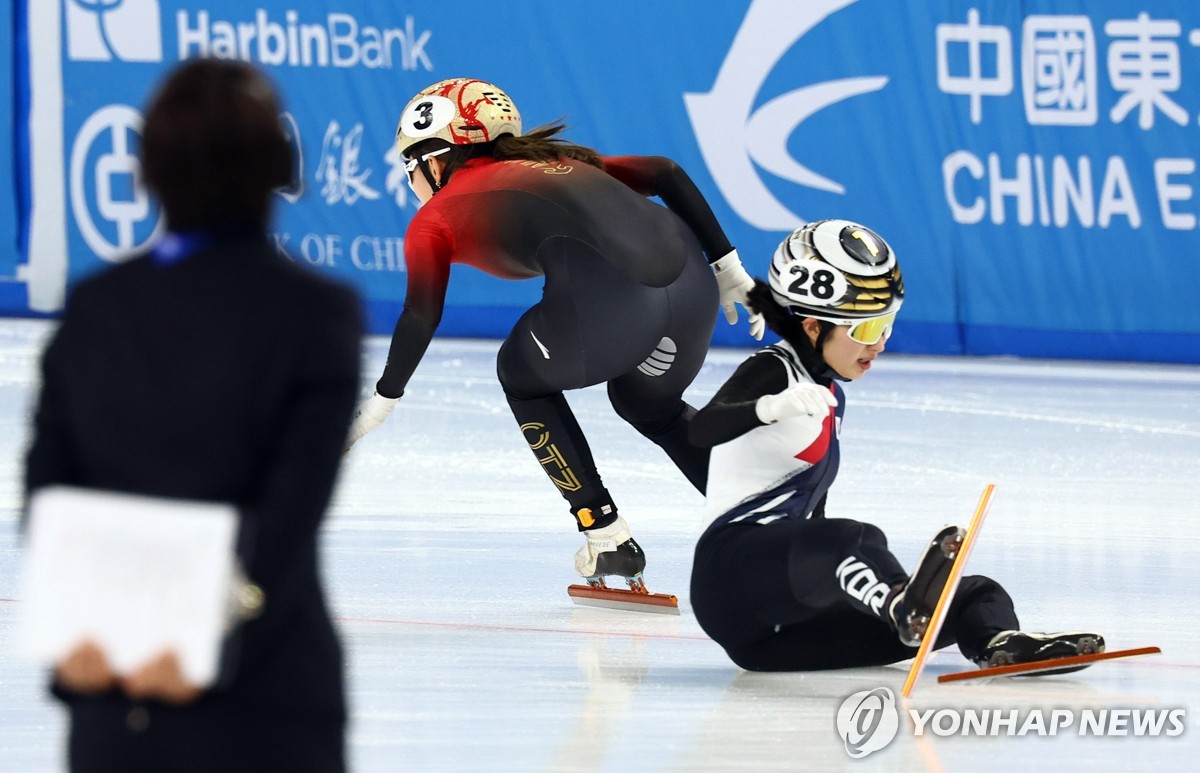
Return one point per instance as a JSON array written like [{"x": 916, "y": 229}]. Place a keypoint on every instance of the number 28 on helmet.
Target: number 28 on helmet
[{"x": 840, "y": 272}]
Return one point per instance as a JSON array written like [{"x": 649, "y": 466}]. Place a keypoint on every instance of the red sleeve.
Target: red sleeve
[{"x": 428, "y": 252}]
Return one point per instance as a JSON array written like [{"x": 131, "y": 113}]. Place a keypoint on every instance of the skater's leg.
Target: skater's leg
[
  {"x": 595, "y": 324},
  {"x": 549, "y": 427},
  {"x": 840, "y": 637},
  {"x": 650, "y": 396},
  {"x": 980, "y": 610},
  {"x": 664, "y": 422},
  {"x": 771, "y": 594},
  {"x": 544, "y": 355},
  {"x": 558, "y": 444},
  {"x": 984, "y": 624},
  {"x": 592, "y": 324},
  {"x": 838, "y": 560},
  {"x": 739, "y": 586},
  {"x": 782, "y": 572}
]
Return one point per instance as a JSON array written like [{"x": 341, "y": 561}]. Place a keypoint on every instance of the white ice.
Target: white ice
[{"x": 447, "y": 555}]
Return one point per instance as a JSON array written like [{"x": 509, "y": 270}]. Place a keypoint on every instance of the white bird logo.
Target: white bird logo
[{"x": 733, "y": 139}]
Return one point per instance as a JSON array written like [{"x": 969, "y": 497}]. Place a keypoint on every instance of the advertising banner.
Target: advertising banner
[
  {"x": 1032, "y": 164},
  {"x": 12, "y": 291}
]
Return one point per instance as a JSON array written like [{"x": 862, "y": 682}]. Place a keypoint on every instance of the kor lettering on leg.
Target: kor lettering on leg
[{"x": 860, "y": 583}]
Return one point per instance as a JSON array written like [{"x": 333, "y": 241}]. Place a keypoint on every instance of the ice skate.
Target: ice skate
[
  {"x": 911, "y": 608},
  {"x": 1015, "y": 647},
  {"x": 611, "y": 551}
]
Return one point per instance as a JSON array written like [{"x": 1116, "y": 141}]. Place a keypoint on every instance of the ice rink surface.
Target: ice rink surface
[{"x": 447, "y": 555}]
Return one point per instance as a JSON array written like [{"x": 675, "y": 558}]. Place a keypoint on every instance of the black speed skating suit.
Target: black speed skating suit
[
  {"x": 629, "y": 299},
  {"x": 775, "y": 582}
]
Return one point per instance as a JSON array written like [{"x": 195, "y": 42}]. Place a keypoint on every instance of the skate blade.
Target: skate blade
[
  {"x": 1071, "y": 663},
  {"x": 627, "y": 600}
]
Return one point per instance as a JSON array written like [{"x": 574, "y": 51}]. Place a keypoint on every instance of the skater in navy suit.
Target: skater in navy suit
[{"x": 777, "y": 583}]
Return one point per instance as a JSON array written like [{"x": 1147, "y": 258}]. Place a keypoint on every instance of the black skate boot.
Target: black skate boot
[
  {"x": 1011, "y": 647},
  {"x": 912, "y": 604},
  {"x": 611, "y": 551}
]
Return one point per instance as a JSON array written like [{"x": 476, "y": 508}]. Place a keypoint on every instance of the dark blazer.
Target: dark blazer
[{"x": 228, "y": 376}]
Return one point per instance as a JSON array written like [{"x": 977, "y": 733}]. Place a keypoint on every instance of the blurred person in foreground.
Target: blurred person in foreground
[{"x": 211, "y": 368}]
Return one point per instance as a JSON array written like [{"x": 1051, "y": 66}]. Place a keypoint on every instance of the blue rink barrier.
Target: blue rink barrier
[{"x": 1033, "y": 164}]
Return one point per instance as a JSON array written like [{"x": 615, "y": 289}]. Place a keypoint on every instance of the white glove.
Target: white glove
[
  {"x": 734, "y": 285},
  {"x": 369, "y": 416},
  {"x": 597, "y": 541},
  {"x": 805, "y": 399}
]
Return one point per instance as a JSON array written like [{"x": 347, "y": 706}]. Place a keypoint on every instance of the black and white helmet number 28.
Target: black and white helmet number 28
[{"x": 836, "y": 270}]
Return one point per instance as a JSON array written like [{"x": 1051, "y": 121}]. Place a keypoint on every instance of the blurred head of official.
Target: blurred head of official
[{"x": 213, "y": 148}]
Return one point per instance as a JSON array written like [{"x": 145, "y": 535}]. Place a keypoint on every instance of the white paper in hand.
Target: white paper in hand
[{"x": 136, "y": 575}]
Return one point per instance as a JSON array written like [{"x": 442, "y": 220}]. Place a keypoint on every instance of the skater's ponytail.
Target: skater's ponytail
[{"x": 543, "y": 144}]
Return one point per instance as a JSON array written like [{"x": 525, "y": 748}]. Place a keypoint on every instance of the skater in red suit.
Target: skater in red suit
[
  {"x": 775, "y": 582},
  {"x": 630, "y": 297}
]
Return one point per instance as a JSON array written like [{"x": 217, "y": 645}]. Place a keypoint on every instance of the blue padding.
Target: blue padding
[{"x": 1058, "y": 344}]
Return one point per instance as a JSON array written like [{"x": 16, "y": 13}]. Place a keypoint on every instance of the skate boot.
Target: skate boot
[
  {"x": 912, "y": 604},
  {"x": 1011, "y": 647},
  {"x": 610, "y": 551}
]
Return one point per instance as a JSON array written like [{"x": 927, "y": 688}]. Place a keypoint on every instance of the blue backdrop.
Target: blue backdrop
[{"x": 1033, "y": 164}]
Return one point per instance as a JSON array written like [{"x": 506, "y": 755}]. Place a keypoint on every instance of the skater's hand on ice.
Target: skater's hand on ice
[
  {"x": 370, "y": 415},
  {"x": 734, "y": 284},
  {"x": 805, "y": 399}
]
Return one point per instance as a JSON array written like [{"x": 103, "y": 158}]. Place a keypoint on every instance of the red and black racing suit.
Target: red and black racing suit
[{"x": 629, "y": 299}]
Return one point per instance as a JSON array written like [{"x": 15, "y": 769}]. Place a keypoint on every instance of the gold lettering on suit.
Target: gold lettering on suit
[{"x": 550, "y": 457}]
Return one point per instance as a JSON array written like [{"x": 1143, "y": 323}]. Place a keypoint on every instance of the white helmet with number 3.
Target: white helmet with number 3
[
  {"x": 838, "y": 271},
  {"x": 460, "y": 111}
]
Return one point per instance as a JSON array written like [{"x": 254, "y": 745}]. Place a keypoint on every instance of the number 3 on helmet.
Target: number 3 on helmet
[
  {"x": 837, "y": 271},
  {"x": 460, "y": 111}
]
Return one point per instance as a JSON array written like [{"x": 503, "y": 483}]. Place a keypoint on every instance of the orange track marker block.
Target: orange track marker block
[{"x": 956, "y": 571}]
